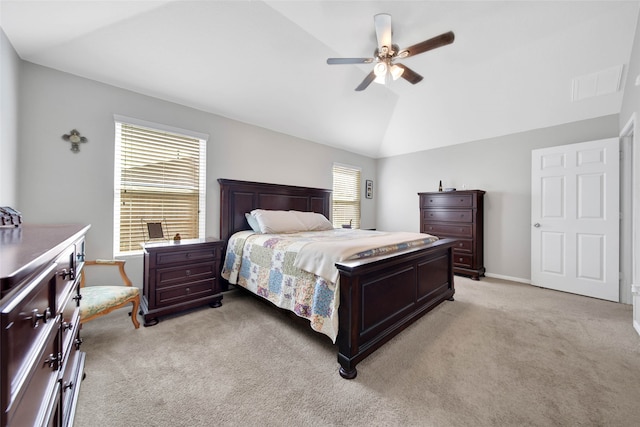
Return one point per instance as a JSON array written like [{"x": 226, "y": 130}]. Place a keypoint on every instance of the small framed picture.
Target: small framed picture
[{"x": 369, "y": 186}]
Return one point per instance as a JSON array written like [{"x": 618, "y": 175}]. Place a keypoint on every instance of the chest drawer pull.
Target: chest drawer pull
[
  {"x": 37, "y": 317},
  {"x": 53, "y": 360},
  {"x": 67, "y": 326},
  {"x": 78, "y": 342},
  {"x": 64, "y": 273}
]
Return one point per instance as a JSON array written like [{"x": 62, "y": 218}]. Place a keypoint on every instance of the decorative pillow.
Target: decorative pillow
[
  {"x": 273, "y": 221},
  {"x": 253, "y": 222},
  {"x": 313, "y": 221}
]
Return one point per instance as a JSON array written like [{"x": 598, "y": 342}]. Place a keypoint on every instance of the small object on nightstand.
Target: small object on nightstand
[
  {"x": 449, "y": 189},
  {"x": 440, "y": 186},
  {"x": 177, "y": 237}
]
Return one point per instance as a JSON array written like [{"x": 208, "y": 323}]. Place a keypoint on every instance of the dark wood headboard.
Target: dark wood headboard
[{"x": 240, "y": 197}]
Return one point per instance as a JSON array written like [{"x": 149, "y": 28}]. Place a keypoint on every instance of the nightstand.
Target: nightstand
[{"x": 179, "y": 275}]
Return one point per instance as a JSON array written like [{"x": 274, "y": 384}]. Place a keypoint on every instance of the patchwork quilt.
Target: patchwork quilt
[{"x": 296, "y": 271}]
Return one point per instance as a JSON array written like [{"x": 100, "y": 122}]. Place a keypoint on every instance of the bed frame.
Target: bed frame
[{"x": 380, "y": 296}]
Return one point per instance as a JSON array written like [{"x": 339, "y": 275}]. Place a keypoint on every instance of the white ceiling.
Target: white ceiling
[{"x": 509, "y": 70}]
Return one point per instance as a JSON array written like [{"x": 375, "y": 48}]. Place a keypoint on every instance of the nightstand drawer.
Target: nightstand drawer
[
  {"x": 181, "y": 257},
  {"x": 446, "y": 230},
  {"x": 446, "y": 200},
  {"x": 185, "y": 292},
  {"x": 458, "y": 215},
  {"x": 190, "y": 273}
]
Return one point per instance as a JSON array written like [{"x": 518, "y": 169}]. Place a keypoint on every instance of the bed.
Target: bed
[{"x": 379, "y": 296}]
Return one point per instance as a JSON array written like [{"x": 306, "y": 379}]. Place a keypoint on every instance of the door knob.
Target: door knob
[{"x": 536, "y": 225}]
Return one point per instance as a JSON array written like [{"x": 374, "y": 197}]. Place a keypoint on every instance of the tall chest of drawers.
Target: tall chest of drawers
[
  {"x": 458, "y": 215},
  {"x": 41, "y": 364},
  {"x": 179, "y": 276}
]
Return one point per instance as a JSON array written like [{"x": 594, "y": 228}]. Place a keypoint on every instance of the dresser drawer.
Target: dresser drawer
[
  {"x": 446, "y": 200},
  {"x": 186, "y": 256},
  {"x": 190, "y": 273},
  {"x": 27, "y": 323},
  {"x": 446, "y": 230},
  {"x": 66, "y": 280},
  {"x": 70, "y": 325},
  {"x": 185, "y": 292},
  {"x": 37, "y": 402},
  {"x": 462, "y": 260},
  {"x": 70, "y": 383},
  {"x": 458, "y": 215}
]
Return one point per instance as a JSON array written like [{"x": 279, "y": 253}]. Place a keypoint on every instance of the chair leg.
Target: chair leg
[{"x": 134, "y": 312}]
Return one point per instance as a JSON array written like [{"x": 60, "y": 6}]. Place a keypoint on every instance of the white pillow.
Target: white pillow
[
  {"x": 314, "y": 221},
  {"x": 273, "y": 221},
  {"x": 253, "y": 222},
  {"x": 277, "y": 221}
]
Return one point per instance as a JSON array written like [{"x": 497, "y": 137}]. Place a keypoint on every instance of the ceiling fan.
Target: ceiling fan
[{"x": 387, "y": 52}]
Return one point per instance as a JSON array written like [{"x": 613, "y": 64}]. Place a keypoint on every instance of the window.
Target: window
[
  {"x": 346, "y": 196},
  {"x": 159, "y": 178}
]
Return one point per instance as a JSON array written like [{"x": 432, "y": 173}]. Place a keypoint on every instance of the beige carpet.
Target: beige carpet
[{"x": 502, "y": 354}]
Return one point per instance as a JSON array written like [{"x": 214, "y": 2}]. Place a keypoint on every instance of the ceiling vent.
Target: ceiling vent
[{"x": 601, "y": 83}]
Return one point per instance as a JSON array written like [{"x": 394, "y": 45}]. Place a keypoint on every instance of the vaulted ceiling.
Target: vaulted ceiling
[{"x": 514, "y": 65}]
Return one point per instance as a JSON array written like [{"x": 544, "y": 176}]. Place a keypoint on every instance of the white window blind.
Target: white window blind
[
  {"x": 346, "y": 196},
  {"x": 159, "y": 177}
]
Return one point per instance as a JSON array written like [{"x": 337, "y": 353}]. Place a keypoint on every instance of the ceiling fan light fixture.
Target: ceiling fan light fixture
[
  {"x": 380, "y": 69},
  {"x": 396, "y": 72},
  {"x": 381, "y": 79}
]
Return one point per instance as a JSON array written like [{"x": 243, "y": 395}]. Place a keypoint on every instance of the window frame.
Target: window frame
[
  {"x": 356, "y": 191},
  {"x": 155, "y": 127}
]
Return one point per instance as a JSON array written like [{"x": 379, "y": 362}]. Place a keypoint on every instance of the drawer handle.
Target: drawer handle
[
  {"x": 460, "y": 259},
  {"x": 80, "y": 257},
  {"x": 36, "y": 317},
  {"x": 67, "y": 326},
  {"x": 64, "y": 273},
  {"x": 188, "y": 291},
  {"x": 461, "y": 244},
  {"x": 78, "y": 342},
  {"x": 67, "y": 386},
  {"x": 53, "y": 360},
  {"x": 188, "y": 272}
]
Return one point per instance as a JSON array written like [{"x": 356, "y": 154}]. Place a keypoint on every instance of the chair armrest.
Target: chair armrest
[{"x": 109, "y": 263}]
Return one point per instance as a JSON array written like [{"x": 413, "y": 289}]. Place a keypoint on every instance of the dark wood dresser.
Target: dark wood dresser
[
  {"x": 179, "y": 276},
  {"x": 41, "y": 364},
  {"x": 457, "y": 215}
]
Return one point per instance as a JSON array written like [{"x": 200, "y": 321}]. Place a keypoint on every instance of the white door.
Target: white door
[{"x": 575, "y": 218}]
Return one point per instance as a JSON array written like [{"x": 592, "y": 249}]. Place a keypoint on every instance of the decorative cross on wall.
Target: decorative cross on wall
[{"x": 75, "y": 139}]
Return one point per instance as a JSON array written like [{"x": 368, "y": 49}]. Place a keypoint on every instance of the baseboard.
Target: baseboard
[{"x": 510, "y": 278}]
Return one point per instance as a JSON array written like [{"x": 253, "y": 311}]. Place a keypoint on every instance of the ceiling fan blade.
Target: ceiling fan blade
[
  {"x": 382, "y": 22},
  {"x": 435, "y": 42},
  {"x": 367, "y": 81},
  {"x": 334, "y": 61},
  {"x": 409, "y": 75}
]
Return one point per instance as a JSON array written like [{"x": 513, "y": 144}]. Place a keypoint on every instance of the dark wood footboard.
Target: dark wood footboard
[{"x": 381, "y": 296}]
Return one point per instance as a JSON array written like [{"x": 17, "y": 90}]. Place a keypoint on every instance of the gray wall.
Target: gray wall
[
  {"x": 9, "y": 77},
  {"x": 630, "y": 114},
  {"x": 500, "y": 166},
  {"x": 57, "y": 185}
]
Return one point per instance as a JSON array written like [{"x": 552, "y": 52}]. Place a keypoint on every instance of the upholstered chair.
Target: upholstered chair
[{"x": 99, "y": 300}]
